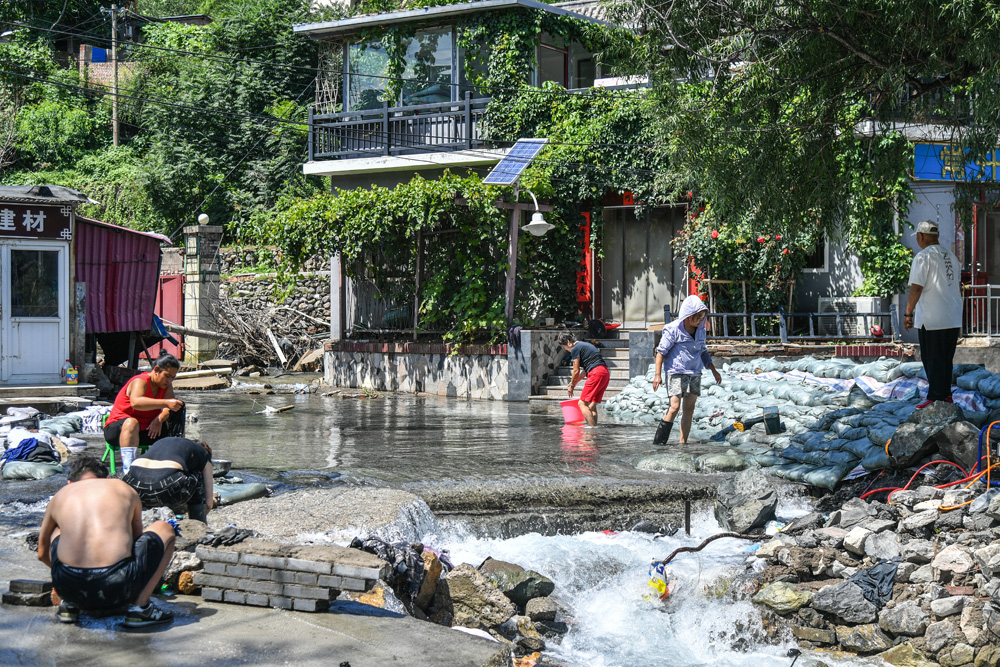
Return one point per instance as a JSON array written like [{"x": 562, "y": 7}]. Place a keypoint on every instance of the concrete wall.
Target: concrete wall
[{"x": 841, "y": 278}]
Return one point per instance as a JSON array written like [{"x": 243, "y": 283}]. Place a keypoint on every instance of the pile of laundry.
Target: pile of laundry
[{"x": 836, "y": 414}]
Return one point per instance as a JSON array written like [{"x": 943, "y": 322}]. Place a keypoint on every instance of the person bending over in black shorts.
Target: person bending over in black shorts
[
  {"x": 101, "y": 559},
  {"x": 174, "y": 473}
]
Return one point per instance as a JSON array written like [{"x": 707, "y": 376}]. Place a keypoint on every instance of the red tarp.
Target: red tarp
[{"x": 121, "y": 268}]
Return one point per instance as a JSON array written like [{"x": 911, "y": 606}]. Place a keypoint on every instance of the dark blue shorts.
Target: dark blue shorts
[{"x": 107, "y": 588}]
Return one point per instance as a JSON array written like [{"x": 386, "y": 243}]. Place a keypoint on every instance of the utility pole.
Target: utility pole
[{"x": 114, "y": 67}]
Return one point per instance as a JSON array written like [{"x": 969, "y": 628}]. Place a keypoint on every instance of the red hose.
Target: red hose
[{"x": 892, "y": 490}]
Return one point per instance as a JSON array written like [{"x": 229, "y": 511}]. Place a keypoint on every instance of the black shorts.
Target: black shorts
[
  {"x": 107, "y": 588},
  {"x": 166, "y": 487},
  {"x": 173, "y": 427}
]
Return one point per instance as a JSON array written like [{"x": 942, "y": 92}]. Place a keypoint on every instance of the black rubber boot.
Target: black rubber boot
[
  {"x": 198, "y": 512},
  {"x": 662, "y": 432}
]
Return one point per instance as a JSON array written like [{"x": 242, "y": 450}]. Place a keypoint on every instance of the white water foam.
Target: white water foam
[{"x": 601, "y": 581}]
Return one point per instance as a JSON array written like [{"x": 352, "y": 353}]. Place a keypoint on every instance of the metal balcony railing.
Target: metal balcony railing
[
  {"x": 981, "y": 315},
  {"x": 785, "y": 327},
  {"x": 448, "y": 126}
]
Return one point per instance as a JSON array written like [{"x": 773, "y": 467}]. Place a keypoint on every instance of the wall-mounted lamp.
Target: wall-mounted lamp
[{"x": 537, "y": 226}]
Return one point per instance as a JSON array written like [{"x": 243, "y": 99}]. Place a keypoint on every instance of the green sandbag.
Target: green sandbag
[
  {"x": 730, "y": 461},
  {"x": 30, "y": 470},
  {"x": 234, "y": 493},
  {"x": 667, "y": 462}
]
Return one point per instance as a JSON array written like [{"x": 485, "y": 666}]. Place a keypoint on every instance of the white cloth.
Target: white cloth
[{"x": 936, "y": 269}]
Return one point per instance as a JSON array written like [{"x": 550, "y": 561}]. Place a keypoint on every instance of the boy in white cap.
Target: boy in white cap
[
  {"x": 683, "y": 347},
  {"x": 934, "y": 307}
]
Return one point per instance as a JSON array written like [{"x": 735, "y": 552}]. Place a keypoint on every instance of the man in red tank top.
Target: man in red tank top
[{"x": 141, "y": 409}]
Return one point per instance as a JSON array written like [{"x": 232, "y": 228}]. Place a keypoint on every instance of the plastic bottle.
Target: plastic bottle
[
  {"x": 72, "y": 375},
  {"x": 63, "y": 372}
]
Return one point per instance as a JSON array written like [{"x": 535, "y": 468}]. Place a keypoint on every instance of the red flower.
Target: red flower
[
  {"x": 785, "y": 251},
  {"x": 715, "y": 234},
  {"x": 690, "y": 195},
  {"x": 777, "y": 237},
  {"x": 760, "y": 239}
]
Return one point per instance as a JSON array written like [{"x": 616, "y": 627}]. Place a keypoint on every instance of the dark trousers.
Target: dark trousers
[{"x": 937, "y": 351}]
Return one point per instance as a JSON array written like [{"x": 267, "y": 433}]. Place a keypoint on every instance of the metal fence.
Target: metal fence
[
  {"x": 981, "y": 315},
  {"x": 790, "y": 327},
  {"x": 397, "y": 130}
]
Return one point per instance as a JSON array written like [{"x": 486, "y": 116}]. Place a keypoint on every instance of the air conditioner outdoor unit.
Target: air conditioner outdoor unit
[{"x": 849, "y": 326}]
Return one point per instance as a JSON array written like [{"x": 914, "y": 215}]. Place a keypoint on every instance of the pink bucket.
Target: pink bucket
[{"x": 571, "y": 411}]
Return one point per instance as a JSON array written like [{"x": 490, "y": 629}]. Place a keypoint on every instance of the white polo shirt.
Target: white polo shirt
[{"x": 936, "y": 269}]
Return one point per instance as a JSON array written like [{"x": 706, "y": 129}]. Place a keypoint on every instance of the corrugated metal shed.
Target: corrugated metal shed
[{"x": 121, "y": 268}]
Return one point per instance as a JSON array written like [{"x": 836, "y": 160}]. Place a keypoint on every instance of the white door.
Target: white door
[{"x": 34, "y": 311}]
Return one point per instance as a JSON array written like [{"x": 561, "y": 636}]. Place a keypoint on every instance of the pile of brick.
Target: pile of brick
[
  {"x": 285, "y": 576},
  {"x": 29, "y": 593}
]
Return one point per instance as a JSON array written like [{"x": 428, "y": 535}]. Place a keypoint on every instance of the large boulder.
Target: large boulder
[
  {"x": 953, "y": 558},
  {"x": 745, "y": 501},
  {"x": 938, "y": 413},
  {"x": 521, "y": 585},
  {"x": 845, "y": 601},
  {"x": 470, "y": 600},
  {"x": 782, "y": 597},
  {"x": 863, "y": 638},
  {"x": 912, "y": 442},
  {"x": 183, "y": 561},
  {"x": 958, "y": 442},
  {"x": 906, "y": 618},
  {"x": 904, "y": 655}
]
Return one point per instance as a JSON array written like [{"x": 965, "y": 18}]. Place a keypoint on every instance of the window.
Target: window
[
  {"x": 819, "y": 260},
  {"x": 428, "y": 74},
  {"x": 586, "y": 73},
  {"x": 479, "y": 67},
  {"x": 34, "y": 283},
  {"x": 367, "y": 69},
  {"x": 552, "y": 64}
]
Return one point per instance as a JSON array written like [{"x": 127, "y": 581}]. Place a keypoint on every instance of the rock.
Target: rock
[
  {"x": 923, "y": 574},
  {"x": 904, "y": 570},
  {"x": 983, "y": 502},
  {"x": 912, "y": 442},
  {"x": 380, "y": 596},
  {"x": 883, "y": 545},
  {"x": 961, "y": 654},
  {"x": 906, "y": 498},
  {"x": 541, "y": 609},
  {"x": 853, "y": 512},
  {"x": 183, "y": 561},
  {"x": 948, "y": 606},
  {"x": 832, "y": 536},
  {"x": 814, "y": 635},
  {"x": 845, "y": 601},
  {"x": 904, "y": 655},
  {"x": 925, "y": 492},
  {"x": 953, "y": 558},
  {"x": 432, "y": 572},
  {"x": 471, "y": 600},
  {"x": 855, "y": 540},
  {"x": 745, "y": 501},
  {"x": 520, "y": 625},
  {"x": 880, "y": 525},
  {"x": 521, "y": 585},
  {"x": 863, "y": 638},
  {"x": 919, "y": 520},
  {"x": 551, "y": 629},
  {"x": 988, "y": 559},
  {"x": 991, "y": 620},
  {"x": 956, "y": 497},
  {"x": 918, "y": 551},
  {"x": 959, "y": 442},
  {"x": 185, "y": 583},
  {"x": 994, "y": 509},
  {"x": 491, "y": 565},
  {"x": 43, "y": 599},
  {"x": 938, "y": 413},
  {"x": 948, "y": 520},
  {"x": 769, "y": 549},
  {"x": 906, "y": 618},
  {"x": 940, "y": 634},
  {"x": 927, "y": 505},
  {"x": 810, "y": 521},
  {"x": 782, "y": 598}
]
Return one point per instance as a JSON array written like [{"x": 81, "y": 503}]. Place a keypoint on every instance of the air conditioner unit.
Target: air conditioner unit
[{"x": 849, "y": 326}]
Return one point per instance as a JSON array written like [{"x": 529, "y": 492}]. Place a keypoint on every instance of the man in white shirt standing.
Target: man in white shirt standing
[{"x": 934, "y": 307}]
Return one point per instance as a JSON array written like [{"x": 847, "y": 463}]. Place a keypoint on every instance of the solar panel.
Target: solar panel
[{"x": 510, "y": 168}]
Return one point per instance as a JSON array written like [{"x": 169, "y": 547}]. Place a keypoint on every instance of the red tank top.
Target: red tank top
[{"x": 123, "y": 406}]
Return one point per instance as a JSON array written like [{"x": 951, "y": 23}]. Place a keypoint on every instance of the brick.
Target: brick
[
  {"x": 214, "y": 580},
  {"x": 262, "y": 587},
  {"x": 276, "y": 602},
  {"x": 256, "y": 600},
  {"x": 329, "y": 581},
  {"x": 237, "y": 570},
  {"x": 211, "y": 594},
  {"x": 284, "y": 576},
  {"x": 306, "y": 578},
  {"x": 312, "y": 592},
  {"x": 235, "y": 597},
  {"x": 353, "y": 585},
  {"x": 260, "y": 573},
  {"x": 276, "y": 562},
  {"x": 310, "y": 605},
  {"x": 315, "y": 567},
  {"x": 30, "y": 586},
  {"x": 27, "y": 599},
  {"x": 215, "y": 568},
  {"x": 216, "y": 555},
  {"x": 356, "y": 572}
]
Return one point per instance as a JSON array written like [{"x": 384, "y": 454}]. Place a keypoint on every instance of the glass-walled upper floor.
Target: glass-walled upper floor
[{"x": 435, "y": 72}]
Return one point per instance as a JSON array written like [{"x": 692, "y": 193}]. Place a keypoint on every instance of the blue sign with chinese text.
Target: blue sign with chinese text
[{"x": 949, "y": 162}]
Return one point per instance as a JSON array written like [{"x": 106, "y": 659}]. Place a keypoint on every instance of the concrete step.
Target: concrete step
[
  {"x": 560, "y": 392},
  {"x": 563, "y": 382},
  {"x": 562, "y": 373},
  {"x": 48, "y": 390}
]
